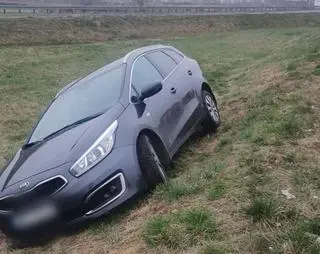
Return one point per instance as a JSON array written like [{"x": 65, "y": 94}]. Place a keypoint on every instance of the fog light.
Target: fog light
[
  {"x": 113, "y": 189},
  {"x": 105, "y": 194}
]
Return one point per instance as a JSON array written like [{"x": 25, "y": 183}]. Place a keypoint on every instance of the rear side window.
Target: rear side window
[
  {"x": 143, "y": 74},
  {"x": 174, "y": 54},
  {"x": 162, "y": 61}
]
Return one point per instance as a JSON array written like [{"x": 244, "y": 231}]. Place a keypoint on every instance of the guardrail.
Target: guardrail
[{"x": 158, "y": 10}]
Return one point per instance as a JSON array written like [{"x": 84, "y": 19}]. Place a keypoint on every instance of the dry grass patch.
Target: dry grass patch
[{"x": 92, "y": 29}]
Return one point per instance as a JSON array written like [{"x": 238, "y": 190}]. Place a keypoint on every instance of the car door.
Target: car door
[
  {"x": 167, "y": 66},
  {"x": 160, "y": 107},
  {"x": 179, "y": 81},
  {"x": 187, "y": 78}
]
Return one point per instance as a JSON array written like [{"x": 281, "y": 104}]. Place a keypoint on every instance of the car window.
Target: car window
[
  {"x": 174, "y": 54},
  {"x": 91, "y": 95},
  {"x": 143, "y": 74},
  {"x": 162, "y": 61}
]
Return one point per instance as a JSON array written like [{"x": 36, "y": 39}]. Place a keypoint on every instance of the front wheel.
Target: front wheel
[
  {"x": 212, "y": 116},
  {"x": 151, "y": 165}
]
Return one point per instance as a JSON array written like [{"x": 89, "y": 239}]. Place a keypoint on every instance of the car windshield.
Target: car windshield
[{"x": 89, "y": 97}]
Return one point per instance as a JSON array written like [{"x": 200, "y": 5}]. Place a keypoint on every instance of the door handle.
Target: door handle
[
  {"x": 173, "y": 90},
  {"x": 190, "y": 73}
]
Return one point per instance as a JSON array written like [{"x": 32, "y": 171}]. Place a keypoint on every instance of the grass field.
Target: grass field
[
  {"x": 37, "y": 31},
  {"x": 225, "y": 193}
]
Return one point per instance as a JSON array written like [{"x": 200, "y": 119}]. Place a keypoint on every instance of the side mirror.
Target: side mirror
[{"x": 147, "y": 91}]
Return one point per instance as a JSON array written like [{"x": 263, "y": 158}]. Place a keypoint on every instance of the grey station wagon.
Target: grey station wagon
[{"x": 105, "y": 138}]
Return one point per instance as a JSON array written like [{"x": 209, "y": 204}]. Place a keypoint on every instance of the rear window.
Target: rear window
[
  {"x": 174, "y": 54},
  {"x": 163, "y": 62}
]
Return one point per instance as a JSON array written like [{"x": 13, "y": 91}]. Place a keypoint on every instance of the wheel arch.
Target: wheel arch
[
  {"x": 206, "y": 87},
  {"x": 158, "y": 145}
]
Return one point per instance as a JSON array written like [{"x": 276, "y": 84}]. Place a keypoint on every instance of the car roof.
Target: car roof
[
  {"x": 130, "y": 57},
  {"x": 140, "y": 51}
]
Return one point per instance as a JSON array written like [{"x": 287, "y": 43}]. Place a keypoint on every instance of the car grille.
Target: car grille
[{"x": 43, "y": 189}]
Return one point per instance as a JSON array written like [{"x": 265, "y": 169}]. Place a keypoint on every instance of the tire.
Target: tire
[
  {"x": 151, "y": 165},
  {"x": 212, "y": 116}
]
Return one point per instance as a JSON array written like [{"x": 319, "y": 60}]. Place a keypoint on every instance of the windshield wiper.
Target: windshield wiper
[
  {"x": 27, "y": 145},
  {"x": 69, "y": 126}
]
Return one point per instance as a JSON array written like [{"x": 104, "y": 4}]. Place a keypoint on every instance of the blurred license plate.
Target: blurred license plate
[{"x": 35, "y": 216}]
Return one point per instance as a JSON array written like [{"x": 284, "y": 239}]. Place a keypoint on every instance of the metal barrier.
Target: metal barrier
[{"x": 160, "y": 10}]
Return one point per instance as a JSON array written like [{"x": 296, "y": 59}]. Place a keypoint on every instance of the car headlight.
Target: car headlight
[{"x": 98, "y": 151}]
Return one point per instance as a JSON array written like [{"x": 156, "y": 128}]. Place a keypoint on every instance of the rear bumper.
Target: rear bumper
[{"x": 71, "y": 201}]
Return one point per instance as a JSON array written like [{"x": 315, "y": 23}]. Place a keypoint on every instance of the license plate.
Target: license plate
[{"x": 35, "y": 216}]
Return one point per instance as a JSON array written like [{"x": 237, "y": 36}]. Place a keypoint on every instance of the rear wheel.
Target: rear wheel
[
  {"x": 212, "y": 119},
  {"x": 152, "y": 167}
]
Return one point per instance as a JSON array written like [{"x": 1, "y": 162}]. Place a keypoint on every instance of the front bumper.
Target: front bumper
[{"x": 71, "y": 201}]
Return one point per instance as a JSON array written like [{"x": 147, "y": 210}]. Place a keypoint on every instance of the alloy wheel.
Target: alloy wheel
[
  {"x": 158, "y": 162},
  {"x": 212, "y": 108}
]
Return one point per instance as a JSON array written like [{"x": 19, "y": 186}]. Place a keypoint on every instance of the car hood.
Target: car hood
[{"x": 64, "y": 148}]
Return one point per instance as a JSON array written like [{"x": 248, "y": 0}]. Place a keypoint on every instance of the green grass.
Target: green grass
[
  {"x": 180, "y": 230},
  {"x": 262, "y": 208},
  {"x": 275, "y": 117},
  {"x": 224, "y": 189},
  {"x": 305, "y": 237},
  {"x": 316, "y": 71},
  {"x": 216, "y": 191},
  {"x": 224, "y": 143},
  {"x": 175, "y": 190},
  {"x": 216, "y": 79},
  {"x": 291, "y": 67}
]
